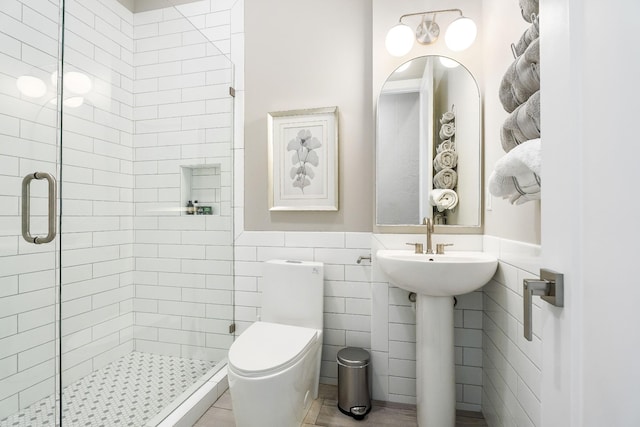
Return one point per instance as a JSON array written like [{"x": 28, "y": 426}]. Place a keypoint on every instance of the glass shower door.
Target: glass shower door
[
  {"x": 130, "y": 305},
  {"x": 29, "y": 164},
  {"x": 146, "y": 290}
]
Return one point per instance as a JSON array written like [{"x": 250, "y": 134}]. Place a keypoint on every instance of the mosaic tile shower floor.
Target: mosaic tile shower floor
[{"x": 126, "y": 392}]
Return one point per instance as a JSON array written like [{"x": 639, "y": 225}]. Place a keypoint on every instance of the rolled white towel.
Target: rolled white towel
[
  {"x": 446, "y": 178},
  {"x": 443, "y": 199},
  {"x": 447, "y": 130},
  {"x": 517, "y": 174},
  {"x": 447, "y": 117},
  {"x": 446, "y": 145},
  {"x": 445, "y": 159}
]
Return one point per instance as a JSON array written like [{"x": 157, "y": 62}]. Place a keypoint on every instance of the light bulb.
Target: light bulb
[
  {"x": 448, "y": 62},
  {"x": 76, "y": 82},
  {"x": 460, "y": 34},
  {"x": 30, "y": 86},
  {"x": 399, "y": 40},
  {"x": 73, "y": 102}
]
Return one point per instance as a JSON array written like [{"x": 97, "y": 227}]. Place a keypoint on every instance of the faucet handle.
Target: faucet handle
[
  {"x": 440, "y": 247},
  {"x": 418, "y": 248}
]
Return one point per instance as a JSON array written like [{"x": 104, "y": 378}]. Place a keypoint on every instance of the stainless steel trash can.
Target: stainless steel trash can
[{"x": 353, "y": 382}]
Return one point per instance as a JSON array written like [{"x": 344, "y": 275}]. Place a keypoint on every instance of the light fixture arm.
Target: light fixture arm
[
  {"x": 406, "y": 15},
  {"x": 460, "y": 33}
]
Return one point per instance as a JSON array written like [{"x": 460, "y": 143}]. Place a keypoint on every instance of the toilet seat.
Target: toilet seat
[{"x": 265, "y": 348}]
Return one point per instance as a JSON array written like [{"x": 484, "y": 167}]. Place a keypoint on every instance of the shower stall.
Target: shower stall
[{"x": 116, "y": 301}]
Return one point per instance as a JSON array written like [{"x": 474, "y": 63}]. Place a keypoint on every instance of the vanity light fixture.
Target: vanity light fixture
[{"x": 460, "y": 34}]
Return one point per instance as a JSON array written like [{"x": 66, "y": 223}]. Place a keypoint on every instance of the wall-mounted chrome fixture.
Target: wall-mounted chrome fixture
[
  {"x": 363, "y": 258},
  {"x": 460, "y": 34}
]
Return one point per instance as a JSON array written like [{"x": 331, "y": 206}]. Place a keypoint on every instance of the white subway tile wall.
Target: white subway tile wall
[
  {"x": 28, "y": 47},
  {"x": 97, "y": 190},
  {"x": 512, "y": 365},
  {"x": 182, "y": 144},
  {"x": 394, "y": 332},
  {"x": 159, "y": 99},
  {"x": 363, "y": 311}
]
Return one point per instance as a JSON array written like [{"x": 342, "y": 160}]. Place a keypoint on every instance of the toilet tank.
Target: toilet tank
[{"x": 293, "y": 293}]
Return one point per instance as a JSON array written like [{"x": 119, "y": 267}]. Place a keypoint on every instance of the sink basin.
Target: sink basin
[{"x": 454, "y": 273}]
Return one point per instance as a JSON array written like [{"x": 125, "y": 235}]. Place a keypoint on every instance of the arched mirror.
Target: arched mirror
[{"x": 428, "y": 146}]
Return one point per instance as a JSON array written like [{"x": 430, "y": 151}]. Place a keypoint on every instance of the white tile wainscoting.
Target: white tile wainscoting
[
  {"x": 512, "y": 365},
  {"x": 362, "y": 309}
]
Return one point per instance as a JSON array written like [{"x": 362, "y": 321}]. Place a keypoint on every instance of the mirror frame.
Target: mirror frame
[{"x": 418, "y": 228}]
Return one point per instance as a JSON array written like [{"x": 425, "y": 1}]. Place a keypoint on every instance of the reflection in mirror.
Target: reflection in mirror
[{"x": 428, "y": 138}]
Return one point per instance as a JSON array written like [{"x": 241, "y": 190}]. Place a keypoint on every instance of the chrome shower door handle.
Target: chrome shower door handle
[
  {"x": 26, "y": 208},
  {"x": 550, "y": 288}
]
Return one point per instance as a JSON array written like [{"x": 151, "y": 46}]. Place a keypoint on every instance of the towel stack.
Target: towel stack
[
  {"x": 444, "y": 196},
  {"x": 516, "y": 176}
]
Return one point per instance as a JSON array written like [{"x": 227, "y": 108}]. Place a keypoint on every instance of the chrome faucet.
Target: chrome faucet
[{"x": 427, "y": 221}]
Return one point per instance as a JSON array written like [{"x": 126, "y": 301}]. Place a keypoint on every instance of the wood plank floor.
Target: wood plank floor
[{"x": 324, "y": 412}]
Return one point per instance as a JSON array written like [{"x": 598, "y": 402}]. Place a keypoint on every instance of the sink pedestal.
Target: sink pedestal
[{"x": 435, "y": 373}]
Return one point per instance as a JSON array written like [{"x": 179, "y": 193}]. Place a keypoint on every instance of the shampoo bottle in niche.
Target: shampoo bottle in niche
[
  {"x": 195, "y": 207},
  {"x": 190, "y": 208}
]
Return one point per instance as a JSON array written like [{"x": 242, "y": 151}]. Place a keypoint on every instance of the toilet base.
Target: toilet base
[{"x": 279, "y": 400}]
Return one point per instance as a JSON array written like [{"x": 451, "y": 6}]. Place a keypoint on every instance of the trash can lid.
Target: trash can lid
[{"x": 353, "y": 356}]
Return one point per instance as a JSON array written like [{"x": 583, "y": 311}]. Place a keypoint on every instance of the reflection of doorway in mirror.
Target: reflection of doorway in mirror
[{"x": 437, "y": 88}]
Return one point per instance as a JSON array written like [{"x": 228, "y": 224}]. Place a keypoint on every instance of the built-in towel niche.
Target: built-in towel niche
[{"x": 201, "y": 183}]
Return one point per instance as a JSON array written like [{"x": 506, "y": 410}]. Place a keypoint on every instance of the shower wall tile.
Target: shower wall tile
[
  {"x": 182, "y": 111},
  {"x": 512, "y": 365},
  {"x": 97, "y": 152},
  {"x": 97, "y": 147}
]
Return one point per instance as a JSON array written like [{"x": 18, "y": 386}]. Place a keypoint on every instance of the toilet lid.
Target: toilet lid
[{"x": 268, "y": 346}]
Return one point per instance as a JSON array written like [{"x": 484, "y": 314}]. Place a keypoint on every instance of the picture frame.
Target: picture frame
[{"x": 303, "y": 159}]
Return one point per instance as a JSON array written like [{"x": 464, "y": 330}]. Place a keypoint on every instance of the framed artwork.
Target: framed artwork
[{"x": 303, "y": 160}]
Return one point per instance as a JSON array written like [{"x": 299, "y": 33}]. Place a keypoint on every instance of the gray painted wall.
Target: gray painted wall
[{"x": 310, "y": 54}]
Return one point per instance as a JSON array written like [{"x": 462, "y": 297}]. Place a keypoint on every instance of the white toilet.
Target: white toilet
[{"x": 274, "y": 365}]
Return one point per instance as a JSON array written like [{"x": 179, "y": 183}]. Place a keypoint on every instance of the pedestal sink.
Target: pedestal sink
[{"x": 436, "y": 279}]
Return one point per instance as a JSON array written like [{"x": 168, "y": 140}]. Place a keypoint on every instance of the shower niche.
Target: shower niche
[{"x": 200, "y": 185}]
